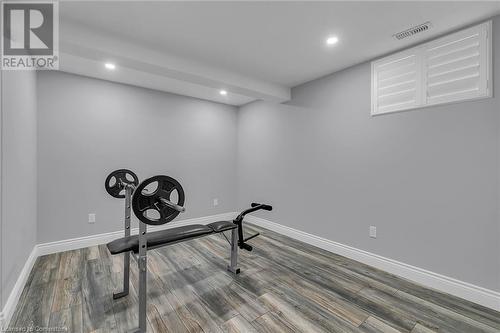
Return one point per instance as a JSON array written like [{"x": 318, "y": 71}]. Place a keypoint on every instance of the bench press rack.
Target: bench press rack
[{"x": 142, "y": 201}]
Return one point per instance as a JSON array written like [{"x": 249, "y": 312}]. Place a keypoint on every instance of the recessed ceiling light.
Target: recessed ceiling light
[
  {"x": 109, "y": 65},
  {"x": 332, "y": 40},
  {"x": 223, "y": 92}
]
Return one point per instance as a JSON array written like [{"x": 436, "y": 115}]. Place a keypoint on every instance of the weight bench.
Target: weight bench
[
  {"x": 144, "y": 200},
  {"x": 169, "y": 236}
]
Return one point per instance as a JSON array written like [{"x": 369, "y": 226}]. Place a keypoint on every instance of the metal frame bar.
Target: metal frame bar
[
  {"x": 233, "y": 266},
  {"x": 143, "y": 270},
  {"x": 141, "y": 262},
  {"x": 126, "y": 255}
]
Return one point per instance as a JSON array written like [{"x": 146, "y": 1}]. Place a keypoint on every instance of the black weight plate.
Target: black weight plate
[
  {"x": 144, "y": 201},
  {"x": 119, "y": 175}
]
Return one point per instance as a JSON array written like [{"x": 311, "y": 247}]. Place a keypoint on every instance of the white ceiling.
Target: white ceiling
[{"x": 255, "y": 50}]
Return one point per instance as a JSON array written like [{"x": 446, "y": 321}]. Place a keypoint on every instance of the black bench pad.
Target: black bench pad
[
  {"x": 168, "y": 236},
  {"x": 222, "y": 226}
]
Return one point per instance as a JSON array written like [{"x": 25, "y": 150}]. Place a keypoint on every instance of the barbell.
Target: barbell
[
  {"x": 117, "y": 181},
  {"x": 152, "y": 199}
]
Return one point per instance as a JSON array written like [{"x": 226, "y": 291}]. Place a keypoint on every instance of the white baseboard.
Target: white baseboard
[
  {"x": 10, "y": 305},
  {"x": 473, "y": 293},
  {"x": 81, "y": 242}
]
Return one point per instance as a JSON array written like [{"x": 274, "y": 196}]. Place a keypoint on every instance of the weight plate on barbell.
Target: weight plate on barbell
[
  {"x": 115, "y": 179},
  {"x": 146, "y": 201}
]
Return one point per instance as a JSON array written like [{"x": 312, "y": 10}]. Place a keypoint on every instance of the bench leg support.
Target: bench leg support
[
  {"x": 126, "y": 255},
  {"x": 143, "y": 271},
  {"x": 233, "y": 266},
  {"x": 126, "y": 277},
  {"x": 142, "y": 293}
]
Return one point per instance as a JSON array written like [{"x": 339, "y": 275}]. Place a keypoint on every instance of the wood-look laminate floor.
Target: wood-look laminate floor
[{"x": 285, "y": 286}]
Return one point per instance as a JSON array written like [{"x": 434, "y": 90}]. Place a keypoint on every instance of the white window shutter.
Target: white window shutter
[
  {"x": 453, "y": 68},
  {"x": 395, "y": 82},
  {"x": 456, "y": 67}
]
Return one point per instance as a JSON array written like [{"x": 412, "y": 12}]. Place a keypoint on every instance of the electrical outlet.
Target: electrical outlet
[
  {"x": 216, "y": 202},
  {"x": 92, "y": 218},
  {"x": 373, "y": 232}
]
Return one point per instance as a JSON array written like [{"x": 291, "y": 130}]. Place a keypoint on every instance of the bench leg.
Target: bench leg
[
  {"x": 142, "y": 293},
  {"x": 143, "y": 271},
  {"x": 126, "y": 255},
  {"x": 233, "y": 267},
  {"x": 126, "y": 277}
]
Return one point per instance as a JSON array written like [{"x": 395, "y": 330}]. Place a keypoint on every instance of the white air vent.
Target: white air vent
[{"x": 412, "y": 31}]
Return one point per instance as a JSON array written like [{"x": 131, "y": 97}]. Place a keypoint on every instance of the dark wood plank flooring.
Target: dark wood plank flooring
[{"x": 285, "y": 286}]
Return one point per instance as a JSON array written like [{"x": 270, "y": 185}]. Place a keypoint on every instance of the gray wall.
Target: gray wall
[
  {"x": 19, "y": 169},
  {"x": 427, "y": 179},
  {"x": 88, "y": 127}
]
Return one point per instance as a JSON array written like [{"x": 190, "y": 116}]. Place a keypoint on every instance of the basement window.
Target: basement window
[{"x": 453, "y": 68}]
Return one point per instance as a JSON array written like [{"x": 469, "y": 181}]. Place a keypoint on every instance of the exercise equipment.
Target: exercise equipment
[
  {"x": 117, "y": 181},
  {"x": 156, "y": 201},
  {"x": 119, "y": 186}
]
